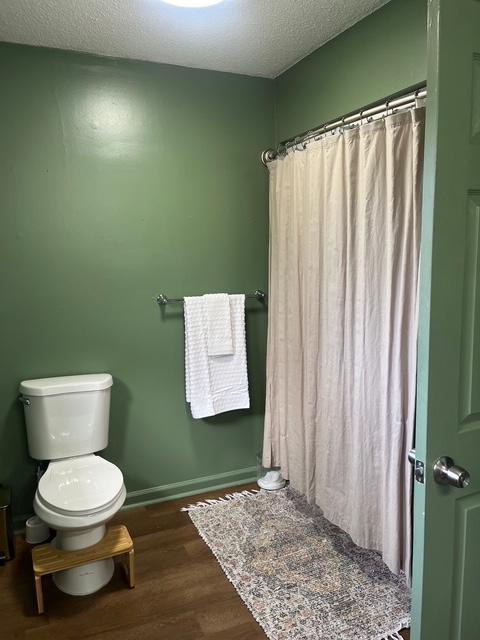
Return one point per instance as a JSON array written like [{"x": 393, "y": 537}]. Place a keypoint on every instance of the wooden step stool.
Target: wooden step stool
[{"x": 116, "y": 542}]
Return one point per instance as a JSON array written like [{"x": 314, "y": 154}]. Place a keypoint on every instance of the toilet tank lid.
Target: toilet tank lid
[{"x": 66, "y": 384}]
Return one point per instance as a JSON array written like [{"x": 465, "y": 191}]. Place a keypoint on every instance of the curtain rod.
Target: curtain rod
[{"x": 403, "y": 99}]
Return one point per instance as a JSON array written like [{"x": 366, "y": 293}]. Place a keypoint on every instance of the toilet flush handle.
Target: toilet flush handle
[{"x": 24, "y": 401}]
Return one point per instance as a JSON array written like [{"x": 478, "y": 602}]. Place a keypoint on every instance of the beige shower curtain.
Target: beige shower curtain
[{"x": 344, "y": 253}]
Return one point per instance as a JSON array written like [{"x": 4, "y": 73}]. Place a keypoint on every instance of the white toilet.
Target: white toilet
[{"x": 67, "y": 422}]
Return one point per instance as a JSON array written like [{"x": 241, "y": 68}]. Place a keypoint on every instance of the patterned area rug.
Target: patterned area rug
[{"x": 301, "y": 577}]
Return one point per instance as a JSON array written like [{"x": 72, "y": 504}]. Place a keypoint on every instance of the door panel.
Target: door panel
[
  {"x": 469, "y": 411},
  {"x": 476, "y": 99},
  {"x": 465, "y": 621},
  {"x": 446, "y": 563}
]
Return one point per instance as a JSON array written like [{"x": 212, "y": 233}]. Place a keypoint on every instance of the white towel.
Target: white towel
[
  {"x": 219, "y": 324},
  {"x": 215, "y": 384}
]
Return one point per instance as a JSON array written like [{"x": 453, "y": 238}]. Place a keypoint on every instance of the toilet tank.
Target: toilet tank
[{"x": 67, "y": 416}]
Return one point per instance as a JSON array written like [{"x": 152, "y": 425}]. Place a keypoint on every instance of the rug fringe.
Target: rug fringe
[
  {"x": 395, "y": 635},
  {"x": 228, "y": 497}
]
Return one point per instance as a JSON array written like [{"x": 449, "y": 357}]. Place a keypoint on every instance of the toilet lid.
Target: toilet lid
[{"x": 80, "y": 484}]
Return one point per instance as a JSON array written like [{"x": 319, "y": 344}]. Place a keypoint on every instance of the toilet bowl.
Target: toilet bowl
[
  {"x": 76, "y": 497},
  {"x": 67, "y": 422}
]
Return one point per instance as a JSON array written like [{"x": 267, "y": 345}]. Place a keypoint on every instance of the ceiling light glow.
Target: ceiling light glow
[{"x": 193, "y": 4}]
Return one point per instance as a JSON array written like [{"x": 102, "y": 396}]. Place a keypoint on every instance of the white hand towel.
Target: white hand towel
[
  {"x": 219, "y": 324},
  {"x": 215, "y": 384}
]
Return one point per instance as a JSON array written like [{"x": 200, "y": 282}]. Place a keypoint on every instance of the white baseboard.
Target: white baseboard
[{"x": 185, "y": 488}]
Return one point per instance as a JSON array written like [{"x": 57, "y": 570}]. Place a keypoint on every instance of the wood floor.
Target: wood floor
[{"x": 181, "y": 592}]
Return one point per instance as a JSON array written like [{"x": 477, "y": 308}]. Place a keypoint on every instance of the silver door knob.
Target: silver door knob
[{"x": 445, "y": 471}]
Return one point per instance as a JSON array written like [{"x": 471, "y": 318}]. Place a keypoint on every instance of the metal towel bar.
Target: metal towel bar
[{"x": 163, "y": 299}]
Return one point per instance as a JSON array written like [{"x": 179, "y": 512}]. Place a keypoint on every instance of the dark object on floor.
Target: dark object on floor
[{"x": 7, "y": 548}]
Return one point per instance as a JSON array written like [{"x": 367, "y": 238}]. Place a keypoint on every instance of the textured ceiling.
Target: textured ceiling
[{"x": 252, "y": 37}]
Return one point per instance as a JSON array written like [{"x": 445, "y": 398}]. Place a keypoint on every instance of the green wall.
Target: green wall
[
  {"x": 120, "y": 180},
  {"x": 382, "y": 54}
]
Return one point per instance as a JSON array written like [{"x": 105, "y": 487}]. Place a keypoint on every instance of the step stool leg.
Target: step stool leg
[
  {"x": 131, "y": 568},
  {"x": 39, "y": 594}
]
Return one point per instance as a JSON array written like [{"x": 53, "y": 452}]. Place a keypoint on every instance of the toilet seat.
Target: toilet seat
[
  {"x": 75, "y": 521},
  {"x": 80, "y": 486},
  {"x": 86, "y": 512}
]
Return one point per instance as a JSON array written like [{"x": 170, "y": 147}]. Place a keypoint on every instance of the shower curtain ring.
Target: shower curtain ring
[{"x": 322, "y": 132}]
